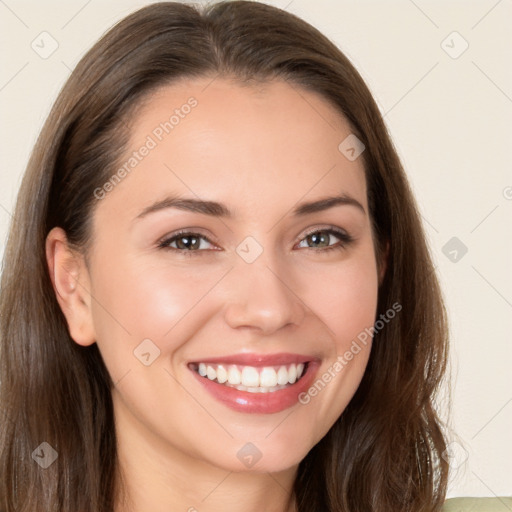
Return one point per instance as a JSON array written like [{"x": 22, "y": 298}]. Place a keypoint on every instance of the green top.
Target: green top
[{"x": 478, "y": 505}]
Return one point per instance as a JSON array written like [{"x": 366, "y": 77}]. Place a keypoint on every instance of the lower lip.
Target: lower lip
[{"x": 260, "y": 403}]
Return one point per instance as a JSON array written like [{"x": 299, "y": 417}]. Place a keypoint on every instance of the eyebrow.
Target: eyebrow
[{"x": 216, "y": 209}]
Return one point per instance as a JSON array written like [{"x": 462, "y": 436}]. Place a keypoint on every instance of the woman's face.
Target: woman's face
[{"x": 257, "y": 289}]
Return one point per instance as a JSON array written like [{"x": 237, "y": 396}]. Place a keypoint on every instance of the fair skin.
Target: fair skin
[{"x": 261, "y": 151}]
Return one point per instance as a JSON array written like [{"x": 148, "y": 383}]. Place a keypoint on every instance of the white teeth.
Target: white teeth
[
  {"x": 211, "y": 373},
  {"x": 282, "y": 376},
  {"x": 222, "y": 374},
  {"x": 268, "y": 377},
  {"x": 292, "y": 374},
  {"x": 234, "y": 376},
  {"x": 250, "y": 377}
]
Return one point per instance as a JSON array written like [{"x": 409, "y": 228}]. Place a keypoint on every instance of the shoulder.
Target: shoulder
[{"x": 478, "y": 505}]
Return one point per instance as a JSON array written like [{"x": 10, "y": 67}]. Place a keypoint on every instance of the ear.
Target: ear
[
  {"x": 71, "y": 282},
  {"x": 383, "y": 263}
]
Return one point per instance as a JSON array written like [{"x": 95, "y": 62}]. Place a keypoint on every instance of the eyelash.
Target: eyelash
[{"x": 345, "y": 238}]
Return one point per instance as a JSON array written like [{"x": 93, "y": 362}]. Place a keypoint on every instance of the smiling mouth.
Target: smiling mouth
[{"x": 264, "y": 379}]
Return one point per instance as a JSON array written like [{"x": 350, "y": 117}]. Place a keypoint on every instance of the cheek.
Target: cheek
[
  {"x": 344, "y": 296},
  {"x": 137, "y": 300},
  {"x": 354, "y": 303}
]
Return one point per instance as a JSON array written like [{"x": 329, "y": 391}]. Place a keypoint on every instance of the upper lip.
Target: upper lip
[{"x": 258, "y": 359}]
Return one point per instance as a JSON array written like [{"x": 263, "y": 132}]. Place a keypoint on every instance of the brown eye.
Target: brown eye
[
  {"x": 184, "y": 241},
  {"x": 319, "y": 239},
  {"x": 188, "y": 242}
]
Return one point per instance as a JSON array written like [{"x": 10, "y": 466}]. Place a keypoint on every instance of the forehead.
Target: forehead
[{"x": 259, "y": 143}]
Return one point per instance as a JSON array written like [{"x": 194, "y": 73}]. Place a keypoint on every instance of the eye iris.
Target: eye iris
[
  {"x": 321, "y": 238},
  {"x": 187, "y": 242}
]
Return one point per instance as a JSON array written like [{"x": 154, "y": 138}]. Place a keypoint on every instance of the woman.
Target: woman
[{"x": 217, "y": 293}]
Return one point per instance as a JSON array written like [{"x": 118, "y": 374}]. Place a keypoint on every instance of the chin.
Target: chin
[{"x": 265, "y": 457}]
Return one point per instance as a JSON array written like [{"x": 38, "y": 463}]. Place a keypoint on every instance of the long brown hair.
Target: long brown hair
[{"x": 385, "y": 451}]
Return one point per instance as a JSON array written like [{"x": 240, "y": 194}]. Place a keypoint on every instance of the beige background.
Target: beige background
[{"x": 449, "y": 114}]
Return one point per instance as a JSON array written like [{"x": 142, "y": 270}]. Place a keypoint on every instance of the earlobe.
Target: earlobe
[{"x": 71, "y": 283}]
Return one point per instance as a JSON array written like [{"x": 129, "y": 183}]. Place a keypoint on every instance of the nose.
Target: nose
[{"x": 262, "y": 298}]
